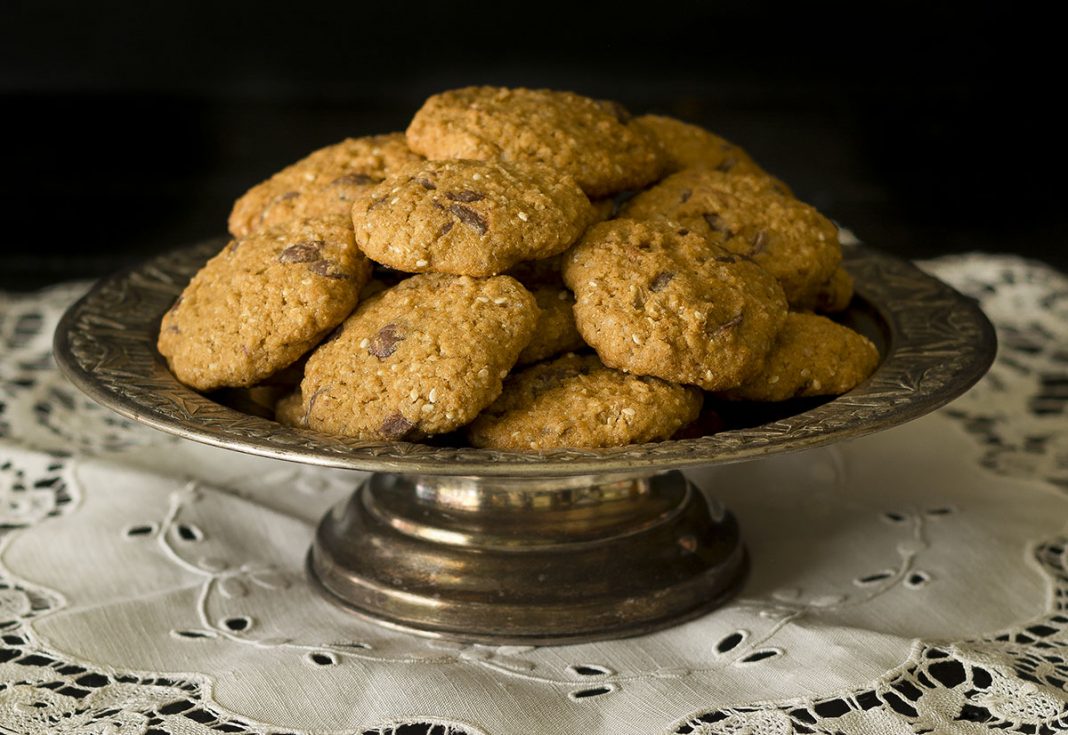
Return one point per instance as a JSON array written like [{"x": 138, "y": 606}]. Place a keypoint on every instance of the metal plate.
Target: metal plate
[{"x": 935, "y": 344}]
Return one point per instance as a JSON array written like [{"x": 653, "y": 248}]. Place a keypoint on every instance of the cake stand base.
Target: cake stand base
[{"x": 528, "y": 561}]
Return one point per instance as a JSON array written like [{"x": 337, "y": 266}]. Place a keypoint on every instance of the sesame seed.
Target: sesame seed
[
  {"x": 522, "y": 216},
  {"x": 773, "y": 380},
  {"x": 421, "y": 263},
  {"x": 433, "y": 395},
  {"x": 309, "y": 176},
  {"x": 629, "y": 412},
  {"x": 816, "y": 385},
  {"x": 413, "y": 394},
  {"x": 426, "y": 408},
  {"x": 476, "y": 177},
  {"x": 483, "y": 372},
  {"x": 364, "y": 342},
  {"x": 502, "y": 373},
  {"x": 636, "y": 339},
  {"x": 394, "y": 200},
  {"x": 449, "y": 415},
  {"x": 500, "y": 301},
  {"x": 593, "y": 284},
  {"x": 482, "y": 299}
]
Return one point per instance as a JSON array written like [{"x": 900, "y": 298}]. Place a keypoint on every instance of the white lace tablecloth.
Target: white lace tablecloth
[{"x": 914, "y": 581}]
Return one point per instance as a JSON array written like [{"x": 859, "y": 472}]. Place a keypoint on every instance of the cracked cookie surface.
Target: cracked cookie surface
[
  {"x": 475, "y": 218},
  {"x": 812, "y": 356},
  {"x": 262, "y": 302},
  {"x": 325, "y": 182},
  {"x": 786, "y": 237},
  {"x": 655, "y": 298},
  {"x": 588, "y": 139},
  {"x": 575, "y": 401},
  {"x": 421, "y": 358}
]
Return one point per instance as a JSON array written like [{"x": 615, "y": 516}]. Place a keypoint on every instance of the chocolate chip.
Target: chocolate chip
[
  {"x": 725, "y": 259},
  {"x": 727, "y": 164},
  {"x": 716, "y": 224},
  {"x": 354, "y": 180},
  {"x": 376, "y": 203},
  {"x": 683, "y": 232},
  {"x": 327, "y": 269},
  {"x": 234, "y": 245},
  {"x": 384, "y": 343},
  {"x": 685, "y": 196},
  {"x": 727, "y": 326},
  {"x": 395, "y": 426},
  {"x": 759, "y": 242},
  {"x": 302, "y": 252},
  {"x": 660, "y": 282},
  {"x": 467, "y": 195},
  {"x": 426, "y": 183},
  {"x": 469, "y": 217},
  {"x": 445, "y": 229},
  {"x": 287, "y": 196}
]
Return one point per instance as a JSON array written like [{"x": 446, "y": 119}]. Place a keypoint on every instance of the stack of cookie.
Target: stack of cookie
[{"x": 533, "y": 267}]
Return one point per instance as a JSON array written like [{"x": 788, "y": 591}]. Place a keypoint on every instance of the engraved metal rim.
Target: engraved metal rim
[{"x": 938, "y": 344}]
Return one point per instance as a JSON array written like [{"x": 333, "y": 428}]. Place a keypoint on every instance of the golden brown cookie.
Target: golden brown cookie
[
  {"x": 262, "y": 302},
  {"x": 555, "y": 331},
  {"x": 575, "y": 401},
  {"x": 324, "y": 182},
  {"x": 833, "y": 296},
  {"x": 419, "y": 359},
  {"x": 812, "y": 356},
  {"x": 289, "y": 410},
  {"x": 683, "y": 145},
  {"x": 786, "y": 237},
  {"x": 584, "y": 138},
  {"x": 655, "y": 298},
  {"x": 474, "y": 218}
]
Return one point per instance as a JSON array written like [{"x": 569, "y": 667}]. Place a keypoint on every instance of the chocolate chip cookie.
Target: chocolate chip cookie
[
  {"x": 575, "y": 401},
  {"x": 587, "y": 139},
  {"x": 656, "y": 298},
  {"x": 555, "y": 331},
  {"x": 683, "y": 145},
  {"x": 833, "y": 296},
  {"x": 474, "y": 218},
  {"x": 786, "y": 237},
  {"x": 812, "y": 356},
  {"x": 325, "y": 182},
  {"x": 262, "y": 302},
  {"x": 421, "y": 358}
]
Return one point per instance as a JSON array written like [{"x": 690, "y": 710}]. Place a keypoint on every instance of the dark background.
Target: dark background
[{"x": 130, "y": 128}]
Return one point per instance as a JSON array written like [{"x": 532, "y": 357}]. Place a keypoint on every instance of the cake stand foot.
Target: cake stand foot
[{"x": 528, "y": 562}]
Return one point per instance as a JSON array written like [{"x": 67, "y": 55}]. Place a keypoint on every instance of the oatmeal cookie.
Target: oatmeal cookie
[
  {"x": 324, "y": 182},
  {"x": 421, "y": 358},
  {"x": 262, "y": 302},
  {"x": 473, "y": 218},
  {"x": 789, "y": 239},
  {"x": 683, "y": 145},
  {"x": 655, "y": 298},
  {"x": 812, "y": 356},
  {"x": 575, "y": 401},
  {"x": 555, "y": 331},
  {"x": 589, "y": 140}
]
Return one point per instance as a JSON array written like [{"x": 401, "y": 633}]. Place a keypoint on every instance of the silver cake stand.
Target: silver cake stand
[{"x": 531, "y": 547}]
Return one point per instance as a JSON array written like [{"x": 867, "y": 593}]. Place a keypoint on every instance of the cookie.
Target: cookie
[
  {"x": 683, "y": 145},
  {"x": 789, "y": 239},
  {"x": 473, "y": 218},
  {"x": 833, "y": 296},
  {"x": 655, "y": 298},
  {"x": 555, "y": 331},
  {"x": 324, "y": 182},
  {"x": 813, "y": 356},
  {"x": 289, "y": 410},
  {"x": 421, "y": 358},
  {"x": 587, "y": 139},
  {"x": 575, "y": 401},
  {"x": 262, "y": 302}
]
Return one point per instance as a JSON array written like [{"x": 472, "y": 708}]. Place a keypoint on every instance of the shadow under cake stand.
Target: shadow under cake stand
[{"x": 531, "y": 548}]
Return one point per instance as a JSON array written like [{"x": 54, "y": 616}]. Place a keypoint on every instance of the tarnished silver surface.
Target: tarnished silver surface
[
  {"x": 526, "y": 562},
  {"x": 935, "y": 344}
]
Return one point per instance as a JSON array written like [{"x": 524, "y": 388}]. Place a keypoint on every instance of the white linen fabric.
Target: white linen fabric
[{"x": 911, "y": 581}]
